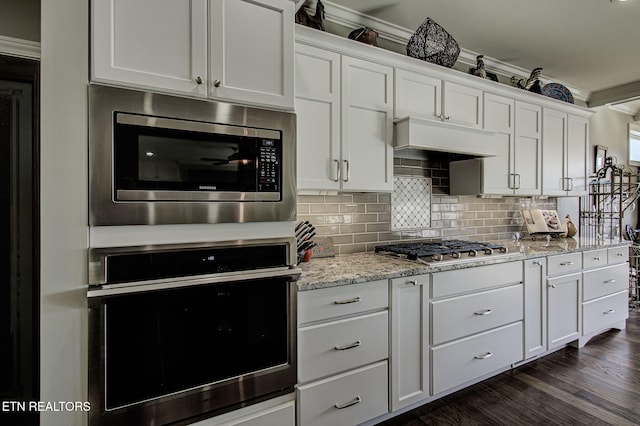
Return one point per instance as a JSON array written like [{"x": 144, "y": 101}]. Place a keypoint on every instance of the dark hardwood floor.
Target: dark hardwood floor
[{"x": 596, "y": 385}]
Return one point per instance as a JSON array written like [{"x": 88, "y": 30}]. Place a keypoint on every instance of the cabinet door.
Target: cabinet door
[
  {"x": 462, "y": 104},
  {"x": 564, "y": 302},
  {"x": 251, "y": 51},
  {"x": 318, "y": 118},
  {"x": 156, "y": 44},
  {"x": 577, "y": 143},
  {"x": 535, "y": 307},
  {"x": 417, "y": 95},
  {"x": 367, "y": 126},
  {"x": 409, "y": 341},
  {"x": 498, "y": 117},
  {"x": 527, "y": 149},
  {"x": 554, "y": 142}
]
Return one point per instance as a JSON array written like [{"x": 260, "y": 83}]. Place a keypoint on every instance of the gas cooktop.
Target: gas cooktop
[{"x": 442, "y": 251}]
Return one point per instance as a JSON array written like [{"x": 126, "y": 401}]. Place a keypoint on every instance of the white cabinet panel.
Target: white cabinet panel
[
  {"x": 564, "y": 263},
  {"x": 462, "y": 104},
  {"x": 535, "y": 307},
  {"x": 417, "y": 95},
  {"x": 605, "y": 281},
  {"x": 554, "y": 140},
  {"x": 564, "y": 301},
  {"x": 460, "y": 281},
  {"x": 409, "y": 330},
  {"x": 617, "y": 254},
  {"x": 601, "y": 313},
  {"x": 256, "y": 69},
  {"x": 499, "y": 113},
  {"x": 594, "y": 258},
  {"x": 318, "y": 118},
  {"x": 577, "y": 155},
  {"x": 527, "y": 149},
  {"x": 157, "y": 44}
]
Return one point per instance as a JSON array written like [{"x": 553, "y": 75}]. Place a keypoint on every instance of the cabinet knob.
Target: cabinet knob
[
  {"x": 413, "y": 282},
  {"x": 199, "y": 80},
  {"x": 552, "y": 285},
  {"x": 217, "y": 83}
]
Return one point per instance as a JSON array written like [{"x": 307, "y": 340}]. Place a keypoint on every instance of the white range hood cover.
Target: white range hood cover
[{"x": 432, "y": 135}]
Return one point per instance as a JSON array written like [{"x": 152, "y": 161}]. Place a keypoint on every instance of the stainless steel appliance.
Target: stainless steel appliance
[
  {"x": 445, "y": 251},
  {"x": 160, "y": 159},
  {"x": 178, "y": 333}
]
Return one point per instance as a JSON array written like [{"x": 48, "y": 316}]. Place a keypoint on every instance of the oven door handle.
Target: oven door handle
[{"x": 169, "y": 283}]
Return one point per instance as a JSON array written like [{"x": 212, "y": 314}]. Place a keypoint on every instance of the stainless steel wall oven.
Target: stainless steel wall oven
[
  {"x": 158, "y": 159},
  {"x": 181, "y": 332}
]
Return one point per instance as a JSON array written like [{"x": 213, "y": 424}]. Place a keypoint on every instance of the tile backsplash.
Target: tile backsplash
[{"x": 358, "y": 222}]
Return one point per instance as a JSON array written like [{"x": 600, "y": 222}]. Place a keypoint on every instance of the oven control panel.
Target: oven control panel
[{"x": 268, "y": 166}]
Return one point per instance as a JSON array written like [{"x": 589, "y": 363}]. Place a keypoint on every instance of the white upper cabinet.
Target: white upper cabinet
[
  {"x": 526, "y": 179},
  {"x": 425, "y": 96},
  {"x": 499, "y": 113},
  {"x": 251, "y": 51},
  {"x": 367, "y": 126},
  {"x": 156, "y": 44},
  {"x": 317, "y": 106},
  {"x": 564, "y": 147},
  {"x": 344, "y": 108},
  {"x": 201, "y": 48}
]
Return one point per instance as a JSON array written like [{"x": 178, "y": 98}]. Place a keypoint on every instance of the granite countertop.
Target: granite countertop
[{"x": 363, "y": 267}]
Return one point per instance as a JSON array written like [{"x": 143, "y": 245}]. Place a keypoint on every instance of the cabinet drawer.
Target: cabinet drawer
[
  {"x": 463, "y": 360},
  {"x": 564, "y": 263},
  {"x": 602, "y": 313},
  {"x": 465, "y": 315},
  {"x": 605, "y": 281},
  {"x": 347, "y": 399},
  {"x": 460, "y": 281},
  {"x": 594, "y": 258},
  {"x": 317, "y": 305},
  {"x": 337, "y": 346},
  {"x": 618, "y": 254}
]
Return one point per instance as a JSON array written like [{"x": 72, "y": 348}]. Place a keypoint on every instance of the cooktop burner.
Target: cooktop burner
[{"x": 440, "y": 251}]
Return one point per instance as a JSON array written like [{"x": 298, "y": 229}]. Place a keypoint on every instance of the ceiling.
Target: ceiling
[{"x": 591, "y": 46}]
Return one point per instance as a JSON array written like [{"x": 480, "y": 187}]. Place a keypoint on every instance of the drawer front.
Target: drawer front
[
  {"x": 605, "y": 281},
  {"x": 618, "y": 254},
  {"x": 337, "y": 346},
  {"x": 463, "y": 360},
  {"x": 347, "y": 399},
  {"x": 450, "y": 283},
  {"x": 465, "y": 315},
  {"x": 326, "y": 303},
  {"x": 594, "y": 258},
  {"x": 564, "y": 263},
  {"x": 602, "y": 313}
]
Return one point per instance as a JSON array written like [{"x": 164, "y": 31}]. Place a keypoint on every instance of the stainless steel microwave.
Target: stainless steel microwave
[{"x": 161, "y": 159}]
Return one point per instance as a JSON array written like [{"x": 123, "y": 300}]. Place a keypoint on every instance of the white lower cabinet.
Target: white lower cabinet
[
  {"x": 602, "y": 313},
  {"x": 564, "y": 297},
  {"x": 535, "y": 307},
  {"x": 463, "y": 360},
  {"x": 409, "y": 333},
  {"x": 343, "y": 351},
  {"x": 346, "y": 399}
]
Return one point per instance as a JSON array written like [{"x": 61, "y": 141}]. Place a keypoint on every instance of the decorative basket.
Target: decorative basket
[{"x": 433, "y": 44}]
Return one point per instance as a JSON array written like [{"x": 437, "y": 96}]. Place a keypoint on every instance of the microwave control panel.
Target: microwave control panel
[{"x": 268, "y": 166}]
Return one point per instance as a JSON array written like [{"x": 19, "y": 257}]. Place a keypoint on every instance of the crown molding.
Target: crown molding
[
  {"x": 352, "y": 19},
  {"x": 18, "y": 47}
]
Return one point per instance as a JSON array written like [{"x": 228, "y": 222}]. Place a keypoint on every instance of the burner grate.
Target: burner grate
[{"x": 437, "y": 251}]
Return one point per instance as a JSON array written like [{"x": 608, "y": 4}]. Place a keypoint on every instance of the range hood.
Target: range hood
[{"x": 413, "y": 133}]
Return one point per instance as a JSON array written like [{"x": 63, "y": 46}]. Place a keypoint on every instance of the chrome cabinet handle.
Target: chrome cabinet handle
[
  {"x": 199, "y": 80},
  {"x": 611, "y": 281},
  {"x": 348, "y": 173},
  {"x": 483, "y": 312},
  {"x": 413, "y": 282},
  {"x": 536, "y": 263},
  {"x": 337, "y": 179},
  {"x": 552, "y": 285},
  {"x": 217, "y": 83},
  {"x": 570, "y": 184},
  {"x": 609, "y": 312},
  {"x": 349, "y": 346},
  {"x": 354, "y": 401},
  {"x": 596, "y": 258},
  {"x": 485, "y": 356},
  {"x": 566, "y": 263},
  {"x": 347, "y": 301}
]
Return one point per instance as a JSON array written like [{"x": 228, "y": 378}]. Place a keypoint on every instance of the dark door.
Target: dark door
[{"x": 19, "y": 290}]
